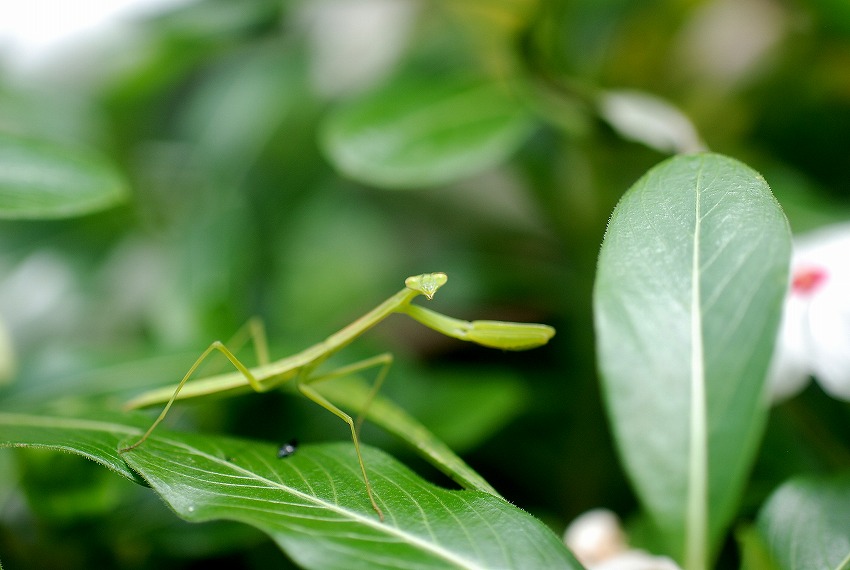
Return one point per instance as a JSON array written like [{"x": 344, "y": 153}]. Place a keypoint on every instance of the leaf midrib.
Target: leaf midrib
[
  {"x": 696, "y": 530},
  {"x": 360, "y": 519}
]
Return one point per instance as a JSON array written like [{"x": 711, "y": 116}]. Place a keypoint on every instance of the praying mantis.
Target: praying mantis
[{"x": 301, "y": 368}]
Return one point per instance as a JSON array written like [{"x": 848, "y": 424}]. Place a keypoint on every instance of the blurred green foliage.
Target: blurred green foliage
[{"x": 225, "y": 120}]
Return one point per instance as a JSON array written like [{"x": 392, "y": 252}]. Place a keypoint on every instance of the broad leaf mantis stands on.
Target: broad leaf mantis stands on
[{"x": 301, "y": 367}]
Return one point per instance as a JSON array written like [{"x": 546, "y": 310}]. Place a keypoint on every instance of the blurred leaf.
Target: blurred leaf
[
  {"x": 754, "y": 554},
  {"x": 354, "y": 396},
  {"x": 314, "y": 504},
  {"x": 45, "y": 180},
  {"x": 444, "y": 404},
  {"x": 240, "y": 105},
  {"x": 807, "y": 205},
  {"x": 7, "y": 356},
  {"x": 53, "y": 114},
  {"x": 806, "y": 523},
  {"x": 690, "y": 282},
  {"x": 495, "y": 17},
  {"x": 490, "y": 29},
  {"x": 63, "y": 487},
  {"x": 418, "y": 133},
  {"x": 356, "y": 240},
  {"x": 94, "y": 438},
  {"x": 218, "y": 19},
  {"x": 833, "y": 14}
]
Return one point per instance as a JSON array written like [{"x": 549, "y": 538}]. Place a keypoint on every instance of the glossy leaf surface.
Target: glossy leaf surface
[
  {"x": 806, "y": 524},
  {"x": 411, "y": 135},
  {"x": 687, "y": 299},
  {"x": 313, "y": 503},
  {"x": 46, "y": 180}
]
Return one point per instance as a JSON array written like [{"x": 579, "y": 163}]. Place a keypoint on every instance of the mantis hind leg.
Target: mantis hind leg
[
  {"x": 219, "y": 346},
  {"x": 304, "y": 386},
  {"x": 254, "y": 331}
]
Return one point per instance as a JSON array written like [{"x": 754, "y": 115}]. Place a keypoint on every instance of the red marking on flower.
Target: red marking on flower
[{"x": 807, "y": 280}]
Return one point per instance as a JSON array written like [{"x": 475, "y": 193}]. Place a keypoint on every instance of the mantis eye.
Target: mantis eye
[{"x": 427, "y": 283}]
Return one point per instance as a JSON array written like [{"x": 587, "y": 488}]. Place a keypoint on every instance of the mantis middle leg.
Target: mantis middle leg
[{"x": 304, "y": 386}]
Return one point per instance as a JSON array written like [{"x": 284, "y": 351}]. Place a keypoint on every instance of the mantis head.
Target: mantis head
[{"x": 427, "y": 283}]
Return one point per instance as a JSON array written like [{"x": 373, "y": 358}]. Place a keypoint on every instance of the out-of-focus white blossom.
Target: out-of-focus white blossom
[
  {"x": 595, "y": 536},
  {"x": 814, "y": 337},
  {"x": 355, "y": 42},
  {"x": 599, "y": 543},
  {"x": 726, "y": 42},
  {"x": 649, "y": 120},
  {"x": 37, "y": 293}
]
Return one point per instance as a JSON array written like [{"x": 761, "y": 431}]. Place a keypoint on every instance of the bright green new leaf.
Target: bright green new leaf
[
  {"x": 311, "y": 503},
  {"x": 806, "y": 524},
  {"x": 47, "y": 180},
  {"x": 419, "y": 134},
  {"x": 687, "y": 300}
]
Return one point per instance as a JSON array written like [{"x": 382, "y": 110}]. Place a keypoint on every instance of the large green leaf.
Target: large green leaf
[
  {"x": 47, "y": 180},
  {"x": 687, "y": 297},
  {"x": 806, "y": 524},
  {"x": 314, "y": 503},
  {"x": 415, "y": 134}
]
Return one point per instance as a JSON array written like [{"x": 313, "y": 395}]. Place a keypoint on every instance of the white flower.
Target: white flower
[
  {"x": 814, "y": 337},
  {"x": 599, "y": 543},
  {"x": 595, "y": 536},
  {"x": 354, "y": 43}
]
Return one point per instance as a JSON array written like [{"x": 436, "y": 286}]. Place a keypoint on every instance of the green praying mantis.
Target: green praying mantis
[{"x": 301, "y": 368}]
